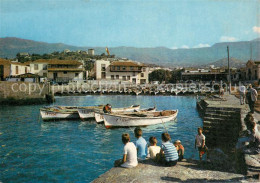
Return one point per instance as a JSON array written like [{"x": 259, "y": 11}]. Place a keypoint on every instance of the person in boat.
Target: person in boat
[
  {"x": 168, "y": 155},
  {"x": 140, "y": 143},
  {"x": 200, "y": 143},
  {"x": 107, "y": 108},
  {"x": 179, "y": 148},
  {"x": 153, "y": 149},
  {"x": 130, "y": 153}
]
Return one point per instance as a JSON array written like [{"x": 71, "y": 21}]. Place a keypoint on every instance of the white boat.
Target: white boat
[
  {"x": 99, "y": 115},
  {"x": 59, "y": 112},
  {"x": 139, "y": 119},
  {"x": 88, "y": 112}
]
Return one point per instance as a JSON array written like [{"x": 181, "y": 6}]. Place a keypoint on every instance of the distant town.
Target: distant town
[{"x": 71, "y": 66}]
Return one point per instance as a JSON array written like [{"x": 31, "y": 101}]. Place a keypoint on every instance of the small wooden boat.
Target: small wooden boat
[
  {"x": 59, "y": 112},
  {"x": 99, "y": 114},
  {"x": 139, "y": 119}
]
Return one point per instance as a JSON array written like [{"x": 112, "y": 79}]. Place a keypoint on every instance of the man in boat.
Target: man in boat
[{"x": 107, "y": 108}]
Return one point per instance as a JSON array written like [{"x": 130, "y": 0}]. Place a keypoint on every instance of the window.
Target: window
[
  {"x": 76, "y": 74},
  {"x": 144, "y": 69},
  {"x": 113, "y": 67},
  {"x": 142, "y": 74},
  {"x": 133, "y": 73},
  {"x": 123, "y": 68},
  {"x": 16, "y": 70},
  {"x": 117, "y": 76},
  {"x": 25, "y": 70},
  {"x": 128, "y": 77},
  {"x": 131, "y": 68},
  {"x": 103, "y": 67},
  {"x": 118, "y": 68},
  {"x": 65, "y": 72},
  {"x": 103, "y": 75},
  {"x": 112, "y": 77},
  {"x": 44, "y": 67},
  {"x": 139, "y": 68},
  {"x": 36, "y": 67},
  {"x": 124, "y": 78}
]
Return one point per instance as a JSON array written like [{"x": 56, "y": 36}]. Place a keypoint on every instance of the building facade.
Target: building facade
[
  {"x": 253, "y": 70},
  {"x": 204, "y": 75},
  {"x": 123, "y": 71},
  {"x": 60, "y": 71}
]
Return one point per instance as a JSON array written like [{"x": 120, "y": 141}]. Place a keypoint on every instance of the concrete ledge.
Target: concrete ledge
[{"x": 185, "y": 171}]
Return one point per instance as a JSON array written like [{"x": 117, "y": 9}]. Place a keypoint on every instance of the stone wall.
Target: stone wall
[{"x": 23, "y": 92}]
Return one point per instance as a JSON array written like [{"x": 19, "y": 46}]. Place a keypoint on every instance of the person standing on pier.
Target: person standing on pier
[
  {"x": 251, "y": 98},
  {"x": 200, "y": 143},
  {"x": 242, "y": 92}
]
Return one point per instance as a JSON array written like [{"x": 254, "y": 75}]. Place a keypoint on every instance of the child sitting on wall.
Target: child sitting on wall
[
  {"x": 179, "y": 148},
  {"x": 153, "y": 149},
  {"x": 130, "y": 154}
]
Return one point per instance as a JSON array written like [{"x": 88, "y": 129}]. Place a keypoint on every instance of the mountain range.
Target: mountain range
[{"x": 240, "y": 51}]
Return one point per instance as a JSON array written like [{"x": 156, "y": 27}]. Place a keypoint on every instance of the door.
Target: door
[
  {"x": 1, "y": 72},
  {"x": 134, "y": 80},
  {"x": 55, "y": 75}
]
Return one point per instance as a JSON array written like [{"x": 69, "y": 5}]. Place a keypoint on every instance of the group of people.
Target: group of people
[
  {"x": 167, "y": 155},
  {"x": 249, "y": 96}
]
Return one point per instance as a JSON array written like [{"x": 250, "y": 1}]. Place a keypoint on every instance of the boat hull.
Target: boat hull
[
  {"x": 112, "y": 121},
  {"x": 52, "y": 115},
  {"x": 99, "y": 117}
]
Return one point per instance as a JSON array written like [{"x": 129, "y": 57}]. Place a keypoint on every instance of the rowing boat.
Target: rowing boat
[
  {"x": 99, "y": 114},
  {"x": 139, "y": 118}
]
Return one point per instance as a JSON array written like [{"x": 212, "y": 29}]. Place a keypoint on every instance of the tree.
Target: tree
[{"x": 160, "y": 75}]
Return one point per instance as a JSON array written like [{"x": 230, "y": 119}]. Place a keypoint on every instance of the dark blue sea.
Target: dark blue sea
[{"x": 74, "y": 151}]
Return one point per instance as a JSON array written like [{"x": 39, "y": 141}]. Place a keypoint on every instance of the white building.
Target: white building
[
  {"x": 18, "y": 68},
  {"x": 91, "y": 52},
  {"x": 58, "y": 70},
  {"x": 124, "y": 71}
]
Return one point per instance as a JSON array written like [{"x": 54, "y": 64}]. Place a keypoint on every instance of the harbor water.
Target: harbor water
[{"x": 79, "y": 151}]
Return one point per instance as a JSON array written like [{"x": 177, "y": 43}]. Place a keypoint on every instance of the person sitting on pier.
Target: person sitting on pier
[
  {"x": 168, "y": 155},
  {"x": 140, "y": 143},
  {"x": 200, "y": 143},
  {"x": 179, "y": 148},
  {"x": 130, "y": 154},
  {"x": 153, "y": 149},
  {"x": 107, "y": 108}
]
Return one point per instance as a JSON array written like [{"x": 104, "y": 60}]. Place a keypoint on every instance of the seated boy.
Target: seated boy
[
  {"x": 179, "y": 148},
  {"x": 140, "y": 143},
  {"x": 168, "y": 155},
  {"x": 153, "y": 149},
  {"x": 130, "y": 154}
]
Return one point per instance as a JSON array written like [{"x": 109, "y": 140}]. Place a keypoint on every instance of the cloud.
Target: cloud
[
  {"x": 256, "y": 29},
  {"x": 201, "y": 45},
  {"x": 174, "y": 48},
  {"x": 227, "y": 39},
  {"x": 185, "y": 47}
]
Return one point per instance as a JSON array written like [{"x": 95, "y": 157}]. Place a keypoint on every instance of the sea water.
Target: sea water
[{"x": 79, "y": 151}]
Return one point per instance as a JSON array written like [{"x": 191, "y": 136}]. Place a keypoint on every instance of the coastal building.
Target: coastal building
[
  {"x": 10, "y": 69},
  {"x": 60, "y": 71},
  {"x": 123, "y": 71},
  {"x": 253, "y": 70},
  {"x": 91, "y": 52},
  {"x": 204, "y": 74}
]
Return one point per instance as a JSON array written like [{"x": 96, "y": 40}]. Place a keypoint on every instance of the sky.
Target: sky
[{"x": 136, "y": 23}]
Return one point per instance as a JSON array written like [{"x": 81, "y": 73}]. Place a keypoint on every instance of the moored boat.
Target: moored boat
[
  {"x": 139, "y": 119},
  {"x": 99, "y": 115},
  {"x": 59, "y": 112}
]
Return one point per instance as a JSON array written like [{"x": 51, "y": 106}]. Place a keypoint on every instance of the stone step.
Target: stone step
[
  {"x": 229, "y": 109},
  {"x": 222, "y": 121},
  {"x": 233, "y": 115},
  {"x": 224, "y": 112}
]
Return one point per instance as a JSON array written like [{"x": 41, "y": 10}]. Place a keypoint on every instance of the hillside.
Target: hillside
[
  {"x": 9, "y": 47},
  {"x": 224, "y": 63}
]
